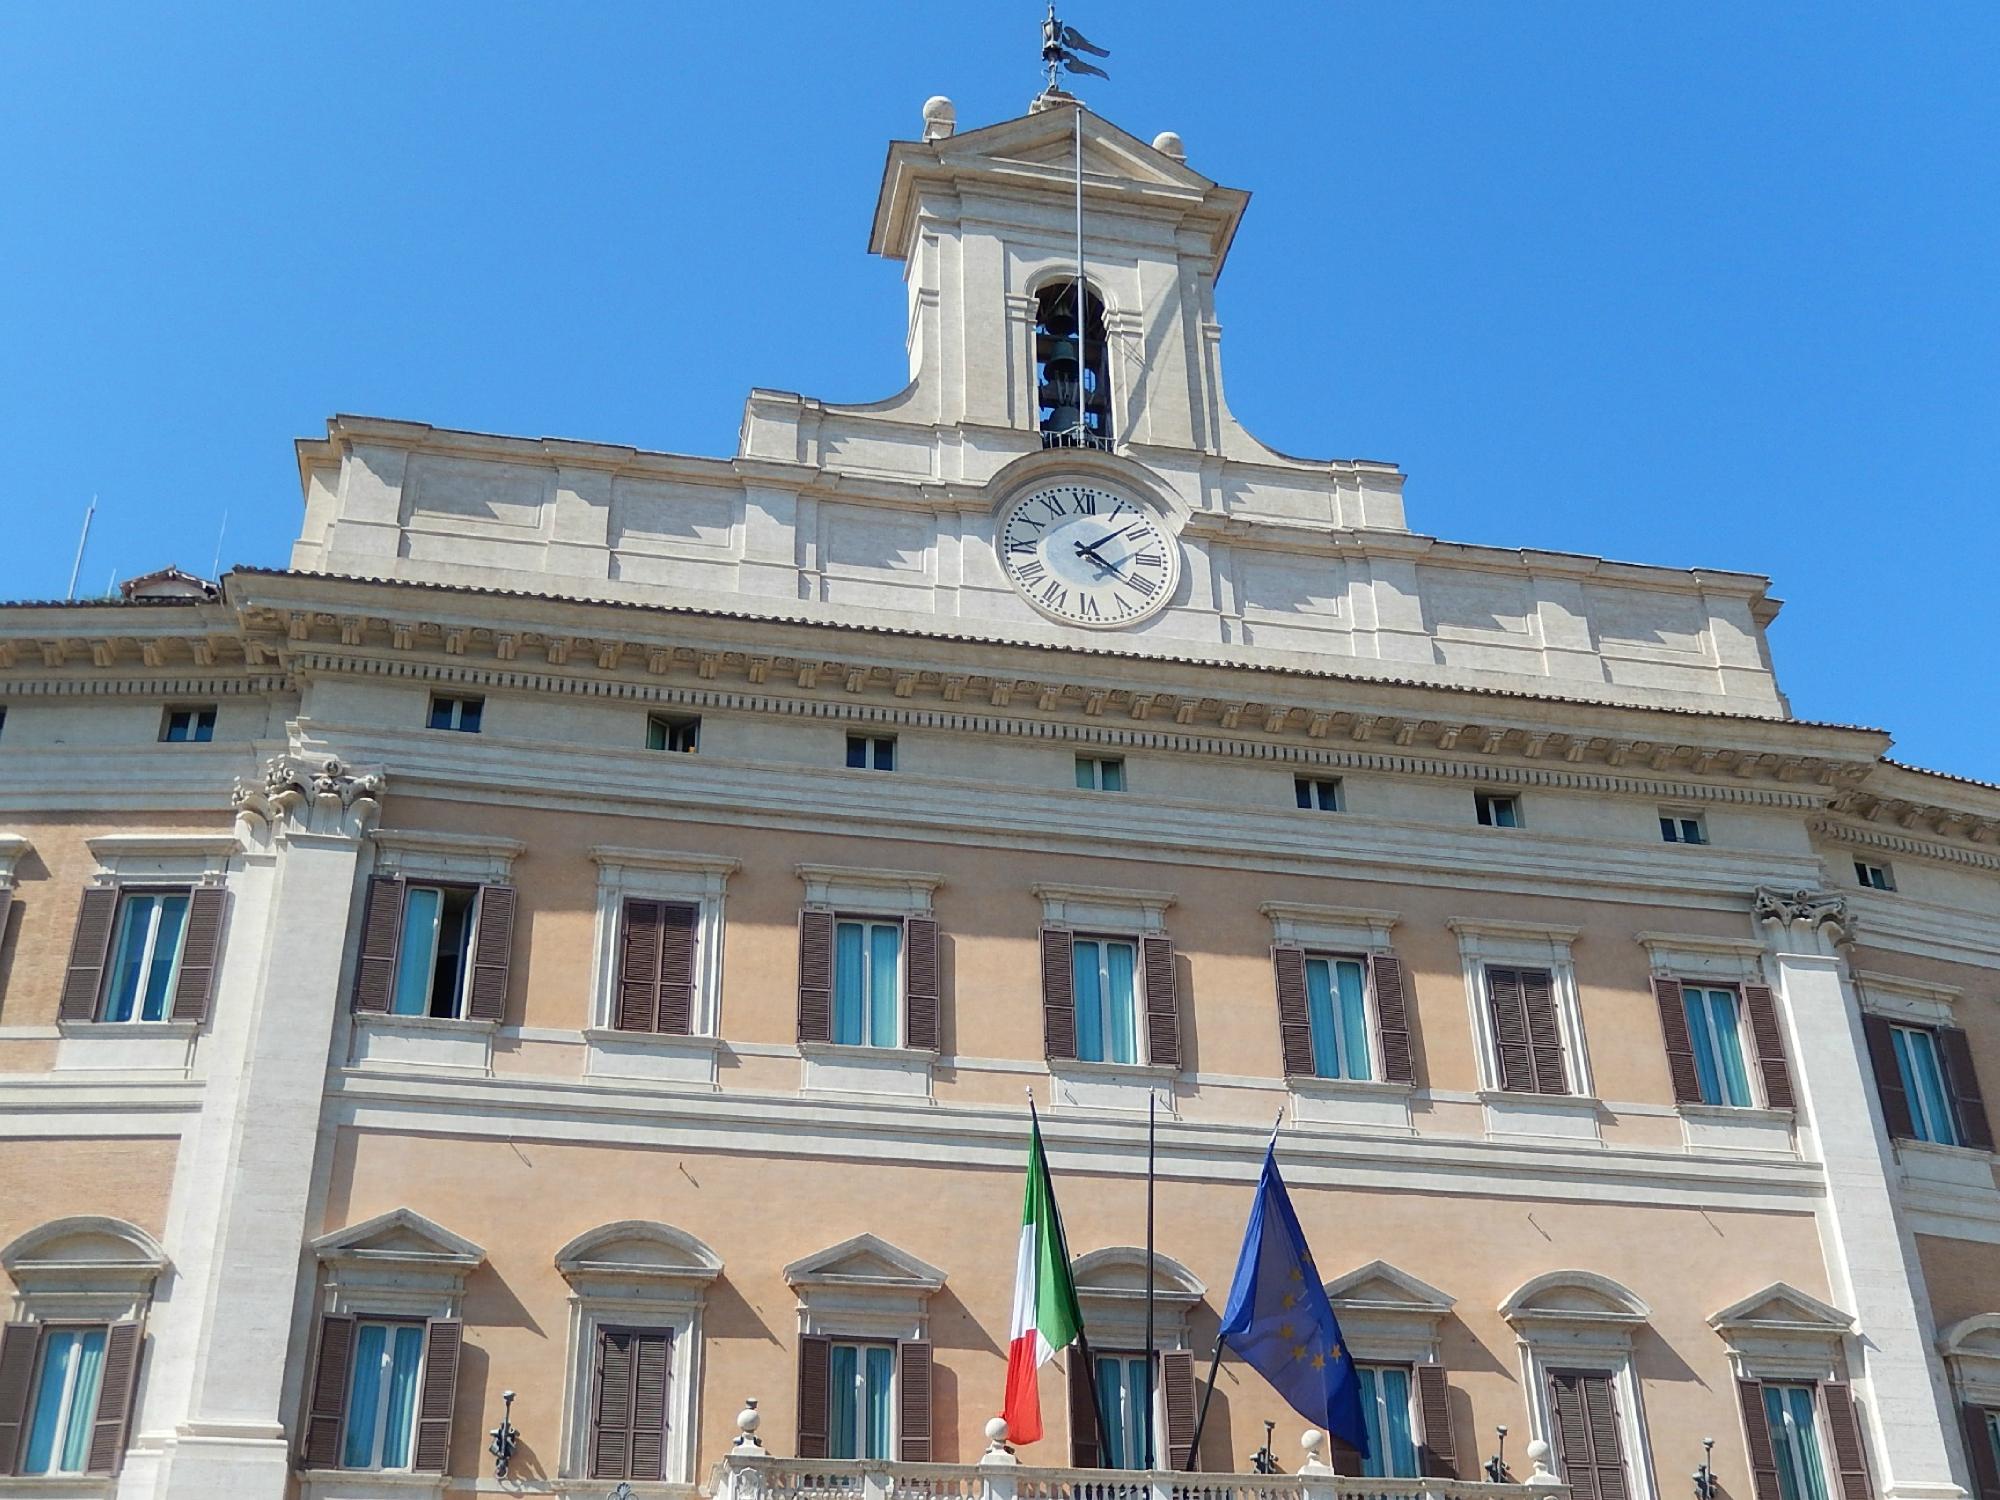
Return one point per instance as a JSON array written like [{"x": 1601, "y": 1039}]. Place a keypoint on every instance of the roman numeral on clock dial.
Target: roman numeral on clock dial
[{"x": 1087, "y": 555}]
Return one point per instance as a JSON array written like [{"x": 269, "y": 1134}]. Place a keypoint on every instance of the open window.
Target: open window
[
  {"x": 1801, "y": 1428},
  {"x": 1111, "y": 1294},
  {"x": 864, "y": 1386}
]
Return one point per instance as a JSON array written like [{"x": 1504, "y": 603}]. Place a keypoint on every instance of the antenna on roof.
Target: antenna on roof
[
  {"x": 77, "y": 566},
  {"x": 215, "y": 568}
]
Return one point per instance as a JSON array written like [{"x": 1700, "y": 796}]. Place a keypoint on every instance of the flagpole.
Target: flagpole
[
  {"x": 1215, "y": 1360},
  {"x": 1082, "y": 298},
  {"x": 1152, "y": 1110},
  {"x": 1082, "y": 1336}
]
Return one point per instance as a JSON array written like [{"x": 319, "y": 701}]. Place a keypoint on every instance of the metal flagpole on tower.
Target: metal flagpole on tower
[
  {"x": 1060, "y": 48},
  {"x": 1082, "y": 362}
]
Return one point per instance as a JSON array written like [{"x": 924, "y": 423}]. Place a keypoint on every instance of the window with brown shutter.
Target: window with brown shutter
[
  {"x": 326, "y": 1408},
  {"x": 815, "y": 1395},
  {"x": 1392, "y": 1017},
  {"x": 1980, "y": 1449},
  {"x": 1437, "y": 1455},
  {"x": 1295, "y": 1046},
  {"x": 654, "y": 991},
  {"x": 1961, "y": 1079},
  {"x": 1177, "y": 1403},
  {"x": 1058, "y": 996},
  {"x": 628, "y": 1430},
  {"x": 1527, "y": 1036},
  {"x": 1674, "y": 1035},
  {"x": 815, "y": 975},
  {"x": 922, "y": 1002},
  {"x": 492, "y": 954},
  {"x": 201, "y": 952},
  {"x": 381, "y": 933},
  {"x": 1769, "y": 1037},
  {"x": 20, "y": 1345},
  {"x": 1163, "y": 1006},
  {"x": 1888, "y": 1077},
  {"x": 437, "y": 1396},
  {"x": 1757, "y": 1439},
  {"x": 89, "y": 952},
  {"x": 1843, "y": 1427},
  {"x": 6, "y": 906},
  {"x": 1084, "y": 1450},
  {"x": 1589, "y": 1446},
  {"x": 117, "y": 1387},
  {"x": 913, "y": 1401}
]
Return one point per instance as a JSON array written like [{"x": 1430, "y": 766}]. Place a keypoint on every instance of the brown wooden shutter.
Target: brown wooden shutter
[
  {"x": 439, "y": 1393},
  {"x": 1510, "y": 1030},
  {"x": 327, "y": 1409},
  {"x": 1084, "y": 1452},
  {"x": 815, "y": 979},
  {"x": 6, "y": 904},
  {"x": 1178, "y": 1403},
  {"x": 639, "y": 924},
  {"x": 678, "y": 920},
  {"x": 1962, "y": 1081},
  {"x": 650, "y": 1369},
  {"x": 20, "y": 1343},
  {"x": 1979, "y": 1452},
  {"x": 492, "y": 954},
  {"x": 921, "y": 1001},
  {"x": 1437, "y": 1455},
  {"x": 815, "y": 1394},
  {"x": 1667, "y": 994},
  {"x": 201, "y": 950},
  {"x": 1392, "y": 1017},
  {"x": 1844, "y": 1427},
  {"x": 1345, "y": 1458},
  {"x": 1587, "y": 1436},
  {"x": 1888, "y": 1078},
  {"x": 611, "y": 1419},
  {"x": 1770, "y": 1039},
  {"x": 1295, "y": 1043},
  {"x": 1059, "y": 1002},
  {"x": 381, "y": 935},
  {"x": 1757, "y": 1438},
  {"x": 1538, "y": 999},
  {"x": 913, "y": 1401},
  {"x": 118, "y": 1386},
  {"x": 89, "y": 950},
  {"x": 1163, "y": 1005}
]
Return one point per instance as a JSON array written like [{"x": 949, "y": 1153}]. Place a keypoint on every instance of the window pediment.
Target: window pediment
[
  {"x": 1111, "y": 1291},
  {"x": 398, "y": 1261},
  {"x": 1575, "y": 1307},
  {"x": 864, "y": 1286},
  {"x": 1782, "y": 1331},
  {"x": 84, "y": 1267},
  {"x": 638, "y": 1260},
  {"x": 1972, "y": 1348},
  {"x": 1386, "y": 1313}
]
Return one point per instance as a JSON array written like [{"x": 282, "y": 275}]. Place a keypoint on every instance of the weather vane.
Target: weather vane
[{"x": 1060, "y": 46}]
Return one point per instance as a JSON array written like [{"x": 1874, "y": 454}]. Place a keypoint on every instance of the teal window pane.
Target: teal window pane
[
  {"x": 1726, "y": 1029},
  {"x": 1353, "y": 1017},
  {"x": 1118, "y": 991},
  {"x": 166, "y": 955},
  {"x": 1114, "y": 775},
  {"x": 850, "y": 959},
  {"x": 1696, "y": 1008},
  {"x": 364, "y": 1396},
  {"x": 1805, "y": 1442},
  {"x": 1086, "y": 778},
  {"x": 135, "y": 929},
  {"x": 1121, "y": 1395},
  {"x": 1916, "y": 1060},
  {"x": 881, "y": 1379},
  {"x": 421, "y": 906},
  {"x": 843, "y": 1371},
  {"x": 58, "y": 1350},
  {"x": 404, "y": 1360},
  {"x": 83, "y": 1400},
  {"x": 885, "y": 944},
  {"x": 1371, "y": 1418},
  {"x": 1402, "y": 1449},
  {"x": 1089, "y": 998},
  {"x": 1319, "y": 1010}
]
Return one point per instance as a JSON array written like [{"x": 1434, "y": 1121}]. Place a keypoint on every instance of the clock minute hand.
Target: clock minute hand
[{"x": 1089, "y": 549}]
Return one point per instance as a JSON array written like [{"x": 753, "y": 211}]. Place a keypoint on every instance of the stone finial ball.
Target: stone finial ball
[
  {"x": 749, "y": 1419},
  {"x": 1312, "y": 1440},
  {"x": 1538, "y": 1451},
  {"x": 996, "y": 1430},
  {"x": 939, "y": 110},
  {"x": 1168, "y": 143}
]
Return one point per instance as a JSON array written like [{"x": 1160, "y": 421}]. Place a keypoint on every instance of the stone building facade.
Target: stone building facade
[{"x": 585, "y": 929}]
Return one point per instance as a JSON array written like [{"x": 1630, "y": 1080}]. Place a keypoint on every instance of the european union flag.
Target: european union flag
[{"x": 1279, "y": 1321}]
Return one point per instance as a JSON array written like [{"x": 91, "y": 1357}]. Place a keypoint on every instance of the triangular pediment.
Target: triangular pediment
[
  {"x": 1048, "y": 139},
  {"x": 1381, "y": 1285},
  {"x": 402, "y": 1235},
  {"x": 865, "y": 1260},
  {"x": 1781, "y": 1306}
]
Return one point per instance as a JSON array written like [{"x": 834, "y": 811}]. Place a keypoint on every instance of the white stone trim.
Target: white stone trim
[
  {"x": 446, "y": 1043},
  {"x": 1704, "y": 960},
  {"x": 869, "y": 892},
  {"x": 1076, "y": 1083},
  {"x": 860, "y": 1068},
  {"x": 1111, "y": 1292},
  {"x": 87, "y": 1269},
  {"x": 12, "y": 847},
  {"x": 1580, "y": 1320},
  {"x": 1483, "y": 941},
  {"x": 1100, "y": 908},
  {"x": 864, "y": 1288},
  {"x": 395, "y": 1263},
  {"x": 369, "y": 1484},
  {"x": 657, "y": 875},
  {"x": 1912, "y": 1000},
  {"x": 1971, "y": 1349},
  {"x": 1331, "y": 929},
  {"x": 470, "y": 858},
  {"x": 1782, "y": 1333},
  {"x": 128, "y": 1047},
  {"x": 162, "y": 858},
  {"x": 1359, "y": 1103},
  {"x": 1389, "y": 1316}
]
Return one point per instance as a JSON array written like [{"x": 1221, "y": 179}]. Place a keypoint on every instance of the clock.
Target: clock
[{"x": 1087, "y": 555}]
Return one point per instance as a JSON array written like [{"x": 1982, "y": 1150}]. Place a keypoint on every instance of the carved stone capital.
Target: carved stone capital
[
  {"x": 307, "y": 795},
  {"x": 1811, "y": 909}
]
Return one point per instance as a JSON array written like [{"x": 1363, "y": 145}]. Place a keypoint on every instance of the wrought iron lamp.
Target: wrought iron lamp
[
  {"x": 1705, "y": 1485},
  {"x": 504, "y": 1437},
  {"x": 1264, "y": 1461},
  {"x": 1496, "y": 1466}
]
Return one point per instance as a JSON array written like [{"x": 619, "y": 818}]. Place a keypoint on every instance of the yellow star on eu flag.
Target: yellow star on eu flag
[
  {"x": 1297, "y": 1274},
  {"x": 1319, "y": 1361},
  {"x": 1287, "y": 1330},
  {"x": 1298, "y": 1351},
  {"x": 1291, "y": 1299},
  {"x": 1336, "y": 1351}
]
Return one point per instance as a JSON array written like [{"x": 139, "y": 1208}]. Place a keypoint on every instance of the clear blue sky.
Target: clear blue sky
[{"x": 1687, "y": 284}]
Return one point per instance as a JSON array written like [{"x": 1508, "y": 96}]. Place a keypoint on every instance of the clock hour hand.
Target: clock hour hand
[{"x": 1089, "y": 550}]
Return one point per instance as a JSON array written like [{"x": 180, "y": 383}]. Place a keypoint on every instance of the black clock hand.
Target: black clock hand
[{"x": 1089, "y": 549}]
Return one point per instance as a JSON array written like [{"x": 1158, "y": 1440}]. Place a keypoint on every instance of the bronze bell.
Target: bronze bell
[{"x": 1061, "y": 352}]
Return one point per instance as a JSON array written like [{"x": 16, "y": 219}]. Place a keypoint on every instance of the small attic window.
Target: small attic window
[{"x": 1073, "y": 384}]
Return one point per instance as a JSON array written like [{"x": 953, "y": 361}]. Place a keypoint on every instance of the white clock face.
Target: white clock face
[{"x": 1086, "y": 555}]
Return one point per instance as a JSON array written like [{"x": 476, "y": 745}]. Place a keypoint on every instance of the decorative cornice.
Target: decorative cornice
[
  {"x": 1812, "y": 909},
  {"x": 321, "y": 796},
  {"x": 1859, "y": 836}
]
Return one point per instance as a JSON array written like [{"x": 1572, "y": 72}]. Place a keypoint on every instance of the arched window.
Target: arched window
[{"x": 1072, "y": 376}]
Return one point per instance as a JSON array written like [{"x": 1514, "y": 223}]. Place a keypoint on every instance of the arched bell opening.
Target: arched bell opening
[{"x": 1072, "y": 374}]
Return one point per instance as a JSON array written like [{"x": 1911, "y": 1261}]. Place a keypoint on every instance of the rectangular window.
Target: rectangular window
[
  {"x": 1924, "y": 1080},
  {"x": 628, "y": 1425},
  {"x": 382, "y": 1395},
  {"x": 1106, "y": 1019},
  {"x": 1121, "y": 1394},
  {"x": 57, "y": 1440},
  {"x": 1385, "y": 1408},
  {"x": 1317, "y": 795},
  {"x": 3, "y": 718},
  {"x": 462, "y": 714},
  {"x": 1100, "y": 773},
  {"x": 1795, "y": 1442},
  {"x": 1875, "y": 877},
  {"x": 1337, "y": 1003},
  {"x": 188, "y": 726},
  {"x": 1715, "y": 1028},
  {"x": 867, "y": 982},
  {"x": 145, "y": 955},
  {"x": 862, "y": 1419},
  {"x": 871, "y": 752},
  {"x": 1993, "y": 1436},
  {"x": 1496, "y": 811},
  {"x": 434, "y": 962},
  {"x": 1682, "y": 828},
  {"x": 676, "y": 732}
]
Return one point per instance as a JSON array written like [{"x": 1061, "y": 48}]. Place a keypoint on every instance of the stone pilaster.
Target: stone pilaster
[
  {"x": 212, "y": 1427},
  {"x": 1871, "y": 1257}
]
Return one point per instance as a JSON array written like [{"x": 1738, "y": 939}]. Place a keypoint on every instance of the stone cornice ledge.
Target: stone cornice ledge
[
  {"x": 1358, "y": 915},
  {"x": 911, "y": 880},
  {"x": 1699, "y": 942},
  {"x": 428, "y": 841},
  {"x": 1497, "y": 927},
  {"x": 663, "y": 859},
  {"x": 1112, "y": 895},
  {"x": 109, "y": 846}
]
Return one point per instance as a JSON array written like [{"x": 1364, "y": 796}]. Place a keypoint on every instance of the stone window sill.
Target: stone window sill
[
  {"x": 862, "y": 1050},
  {"x": 1371, "y": 1104},
  {"x": 1085, "y": 1068},
  {"x": 363, "y": 1484},
  {"x": 57, "y": 1486},
  {"x": 1312, "y": 1083},
  {"x": 126, "y": 1046},
  {"x": 674, "y": 1039},
  {"x": 109, "y": 1030},
  {"x": 1570, "y": 1118},
  {"x": 1111, "y": 1086},
  {"x": 1935, "y": 1165},
  {"x": 437, "y": 1042},
  {"x": 1749, "y": 1114},
  {"x": 842, "y": 1068}
]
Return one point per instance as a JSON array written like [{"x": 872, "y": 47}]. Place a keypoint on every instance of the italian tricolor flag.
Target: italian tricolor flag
[{"x": 1046, "y": 1318}]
